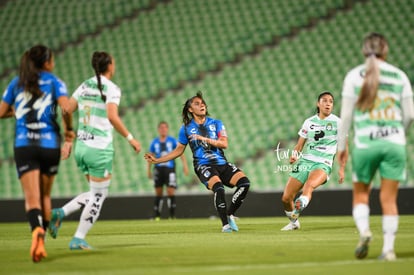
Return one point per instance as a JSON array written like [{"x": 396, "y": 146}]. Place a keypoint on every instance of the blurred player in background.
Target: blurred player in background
[
  {"x": 164, "y": 173},
  {"x": 35, "y": 94},
  {"x": 207, "y": 138},
  {"x": 319, "y": 134},
  {"x": 378, "y": 98},
  {"x": 97, "y": 101}
]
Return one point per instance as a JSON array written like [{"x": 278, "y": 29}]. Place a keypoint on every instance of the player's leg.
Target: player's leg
[
  {"x": 293, "y": 186},
  {"x": 388, "y": 199},
  {"x": 392, "y": 170},
  {"x": 172, "y": 185},
  {"x": 316, "y": 178},
  {"x": 360, "y": 213},
  {"x": 28, "y": 169},
  {"x": 158, "y": 202},
  {"x": 72, "y": 206},
  {"x": 91, "y": 212},
  {"x": 215, "y": 185}
]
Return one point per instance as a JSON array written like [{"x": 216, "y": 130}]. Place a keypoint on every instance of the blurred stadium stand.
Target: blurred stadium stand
[{"x": 260, "y": 65}]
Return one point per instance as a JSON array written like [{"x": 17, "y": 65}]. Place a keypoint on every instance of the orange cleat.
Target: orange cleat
[{"x": 37, "y": 251}]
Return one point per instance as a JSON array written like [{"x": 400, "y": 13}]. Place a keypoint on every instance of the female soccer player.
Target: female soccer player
[
  {"x": 319, "y": 135},
  {"x": 207, "y": 138},
  {"x": 97, "y": 101},
  {"x": 378, "y": 98},
  {"x": 35, "y": 94},
  {"x": 164, "y": 173}
]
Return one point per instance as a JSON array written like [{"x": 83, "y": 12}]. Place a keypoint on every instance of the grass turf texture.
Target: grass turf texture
[{"x": 324, "y": 245}]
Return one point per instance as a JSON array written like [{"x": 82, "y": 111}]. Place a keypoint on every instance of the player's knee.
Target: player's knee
[{"x": 243, "y": 182}]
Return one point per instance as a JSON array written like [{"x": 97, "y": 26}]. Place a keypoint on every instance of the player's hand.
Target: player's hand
[
  {"x": 149, "y": 157},
  {"x": 136, "y": 145},
  {"x": 341, "y": 173},
  {"x": 66, "y": 150}
]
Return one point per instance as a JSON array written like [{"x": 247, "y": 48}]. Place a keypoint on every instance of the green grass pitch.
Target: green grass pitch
[{"x": 324, "y": 245}]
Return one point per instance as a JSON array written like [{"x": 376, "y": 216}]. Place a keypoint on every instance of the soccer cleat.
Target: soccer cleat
[
  {"x": 291, "y": 226},
  {"x": 232, "y": 222},
  {"x": 37, "y": 250},
  {"x": 226, "y": 229},
  {"x": 79, "y": 244},
  {"x": 361, "y": 250},
  {"x": 56, "y": 221},
  {"x": 388, "y": 256}
]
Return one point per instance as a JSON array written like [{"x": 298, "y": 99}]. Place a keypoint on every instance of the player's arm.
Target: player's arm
[
  {"x": 113, "y": 116},
  {"x": 178, "y": 151},
  {"x": 297, "y": 149},
  {"x": 6, "y": 110},
  {"x": 185, "y": 166}
]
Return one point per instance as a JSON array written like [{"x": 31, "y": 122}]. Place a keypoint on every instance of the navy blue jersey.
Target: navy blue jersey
[
  {"x": 204, "y": 153},
  {"x": 36, "y": 123},
  {"x": 160, "y": 149}
]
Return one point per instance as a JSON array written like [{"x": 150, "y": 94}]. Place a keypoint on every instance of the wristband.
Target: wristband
[{"x": 129, "y": 137}]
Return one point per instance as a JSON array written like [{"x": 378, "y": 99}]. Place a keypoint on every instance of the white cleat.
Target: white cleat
[
  {"x": 389, "y": 256},
  {"x": 291, "y": 226}
]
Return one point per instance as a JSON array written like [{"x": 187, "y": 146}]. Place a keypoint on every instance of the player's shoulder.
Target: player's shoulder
[{"x": 334, "y": 117}]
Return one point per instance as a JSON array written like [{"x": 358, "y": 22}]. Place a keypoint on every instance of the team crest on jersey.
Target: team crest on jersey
[
  {"x": 212, "y": 127},
  {"x": 329, "y": 127}
]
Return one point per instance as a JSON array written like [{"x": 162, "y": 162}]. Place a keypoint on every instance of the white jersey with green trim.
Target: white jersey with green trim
[
  {"x": 384, "y": 124},
  {"x": 321, "y": 138},
  {"x": 94, "y": 127}
]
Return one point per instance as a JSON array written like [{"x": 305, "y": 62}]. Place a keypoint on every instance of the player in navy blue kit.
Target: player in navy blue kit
[
  {"x": 207, "y": 138},
  {"x": 164, "y": 173},
  {"x": 35, "y": 94}
]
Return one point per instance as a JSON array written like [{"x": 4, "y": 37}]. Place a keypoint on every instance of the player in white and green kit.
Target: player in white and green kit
[
  {"x": 316, "y": 149},
  {"x": 378, "y": 98},
  {"x": 97, "y": 101}
]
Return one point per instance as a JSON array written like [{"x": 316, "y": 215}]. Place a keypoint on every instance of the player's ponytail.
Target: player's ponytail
[
  {"x": 31, "y": 64},
  {"x": 100, "y": 62},
  {"x": 374, "y": 46}
]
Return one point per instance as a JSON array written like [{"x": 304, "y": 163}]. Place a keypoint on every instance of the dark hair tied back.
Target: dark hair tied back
[
  {"x": 31, "y": 64},
  {"x": 100, "y": 62}
]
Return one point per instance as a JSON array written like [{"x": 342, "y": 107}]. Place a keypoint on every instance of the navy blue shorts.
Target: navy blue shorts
[
  {"x": 225, "y": 172},
  {"x": 30, "y": 158}
]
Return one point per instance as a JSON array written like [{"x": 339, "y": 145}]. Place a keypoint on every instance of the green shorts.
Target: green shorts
[
  {"x": 302, "y": 169},
  {"x": 389, "y": 159},
  {"x": 94, "y": 162}
]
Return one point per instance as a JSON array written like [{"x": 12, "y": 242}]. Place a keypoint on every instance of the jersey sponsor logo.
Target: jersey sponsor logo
[
  {"x": 85, "y": 136},
  {"x": 383, "y": 132},
  {"x": 317, "y": 127},
  {"x": 319, "y": 135},
  {"x": 34, "y": 136},
  {"x": 36, "y": 125}
]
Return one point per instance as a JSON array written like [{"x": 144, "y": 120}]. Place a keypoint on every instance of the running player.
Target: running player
[
  {"x": 97, "y": 101},
  {"x": 378, "y": 98},
  {"x": 164, "y": 173},
  {"x": 35, "y": 94},
  {"x": 207, "y": 138},
  {"x": 316, "y": 148}
]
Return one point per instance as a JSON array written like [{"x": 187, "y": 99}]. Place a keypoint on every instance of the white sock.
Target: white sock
[
  {"x": 289, "y": 215},
  {"x": 389, "y": 228},
  {"x": 90, "y": 214},
  {"x": 305, "y": 200},
  {"x": 76, "y": 203},
  {"x": 360, "y": 212}
]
